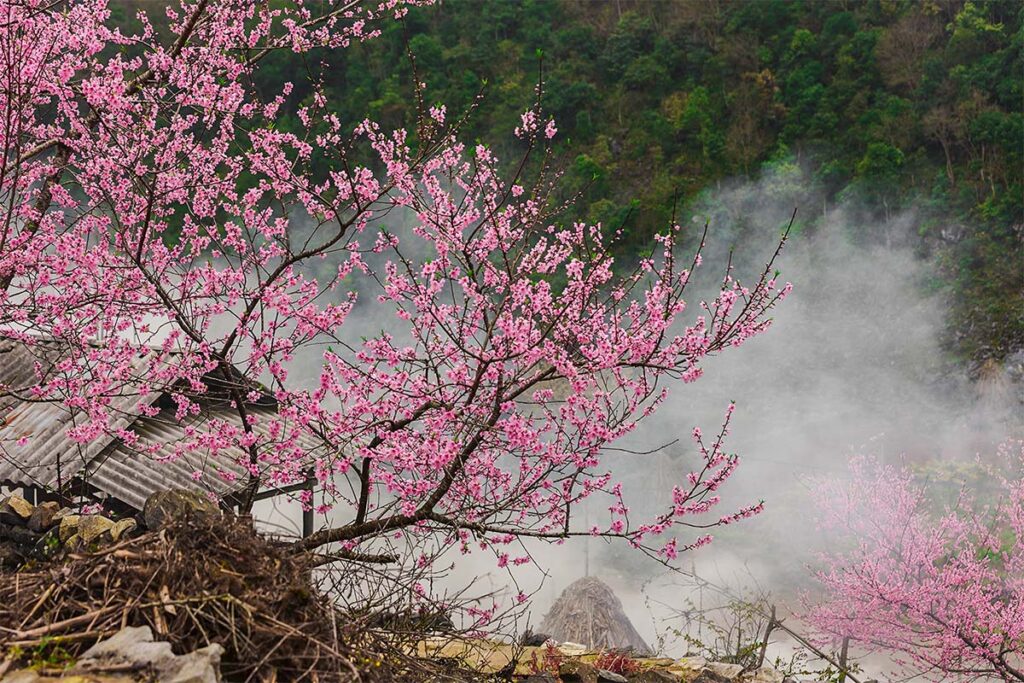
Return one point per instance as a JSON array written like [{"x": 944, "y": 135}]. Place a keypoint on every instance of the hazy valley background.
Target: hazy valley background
[{"x": 853, "y": 364}]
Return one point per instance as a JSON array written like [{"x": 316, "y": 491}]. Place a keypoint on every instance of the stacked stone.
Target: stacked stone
[{"x": 28, "y": 530}]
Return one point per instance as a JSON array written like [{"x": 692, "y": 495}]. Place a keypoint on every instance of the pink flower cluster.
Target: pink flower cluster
[{"x": 167, "y": 236}]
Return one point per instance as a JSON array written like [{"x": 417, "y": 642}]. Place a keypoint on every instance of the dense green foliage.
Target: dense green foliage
[{"x": 888, "y": 105}]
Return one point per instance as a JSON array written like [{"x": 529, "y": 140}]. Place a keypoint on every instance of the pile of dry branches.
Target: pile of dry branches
[{"x": 194, "y": 583}]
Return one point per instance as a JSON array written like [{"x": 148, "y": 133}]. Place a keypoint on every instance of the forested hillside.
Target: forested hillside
[{"x": 891, "y": 104}]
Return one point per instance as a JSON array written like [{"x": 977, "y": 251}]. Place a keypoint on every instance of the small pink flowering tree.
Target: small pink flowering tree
[
  {"x": 943, "y": 592},
  {"x": 160, "y": 228}
]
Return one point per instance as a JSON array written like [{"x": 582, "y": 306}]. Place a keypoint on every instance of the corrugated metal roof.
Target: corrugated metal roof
[
  {"x": 132, "y": 473},
  {"x": 129, "y": 474},
  {"x": 48, "y": 451}
]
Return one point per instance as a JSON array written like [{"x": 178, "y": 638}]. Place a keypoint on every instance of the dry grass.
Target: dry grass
[{"x": 195, "y": 583}]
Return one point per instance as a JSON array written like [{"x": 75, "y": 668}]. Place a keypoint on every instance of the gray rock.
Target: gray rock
[
  {"x": 730, "y": 672},
  {"x": 91, "y": 527},
  {"x": 68, "y": 527},
  {"x": 575, "y": 671},
  {"x": 531, "y": 639},
  {"x": 15, "y": 510},
  {"x": 64, "y": 512},
  {"x": 201, "y": 666},
  {"x": 134, "y": 648},
  {"x": 10, "y": 555},
  {"x": 122, "y": 527},
  {"x": 604, "y": 676},
  {"x": 31, "y": 676},
  {"x": 573, "y": 649},
  {"x": 74, "y": 543},
  {"x": 131, "y": 645},
  {"x": 18, "y": 535},
  {"x": 709, "y": 676},
  {"x": 692, "y": 663},
  {"x": 165, "y": 507},
  {"x": 44, "y": 517},
  {"x": 765, "y": 674},
  {"x": 654, "y": 676}
]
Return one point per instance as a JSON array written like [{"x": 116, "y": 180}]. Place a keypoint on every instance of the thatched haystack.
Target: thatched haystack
[{"x": 589, "y": 613}]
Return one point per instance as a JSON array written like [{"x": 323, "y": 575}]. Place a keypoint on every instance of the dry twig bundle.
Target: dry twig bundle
[{"x": 194, "y": 583}]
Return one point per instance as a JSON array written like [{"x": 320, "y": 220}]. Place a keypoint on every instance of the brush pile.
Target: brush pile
[
  {"x": 589, "y": 613},
  {"x": 195, "y": 582}
]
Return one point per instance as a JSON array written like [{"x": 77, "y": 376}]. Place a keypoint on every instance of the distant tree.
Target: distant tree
[
  {"x": 942, "y": 124},
  {"x": 905, "y": 45},
  {"x": 878, "y": 172},
  {"x": 943, "y": 591}
]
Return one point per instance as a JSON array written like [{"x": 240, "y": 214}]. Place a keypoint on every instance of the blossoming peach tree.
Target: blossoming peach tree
[
  {"x": 942, "y": 592},
  {"x": 159, "y": 227}
]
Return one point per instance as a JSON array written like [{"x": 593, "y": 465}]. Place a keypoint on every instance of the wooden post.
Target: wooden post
[
  {"x": 307, "y": 515},
  {"x": 842, "y": 659},
  {"x": 767, "y": 635}
]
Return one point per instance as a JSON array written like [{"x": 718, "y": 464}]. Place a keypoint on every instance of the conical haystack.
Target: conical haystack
[{"x": 587, "y": 612}]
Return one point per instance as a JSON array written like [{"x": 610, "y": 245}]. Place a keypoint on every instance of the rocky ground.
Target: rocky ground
[
  {"x": 132, "y": 655},
  {"x": 182, "y": 594},
  {"x": 574, "y": 663}
]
